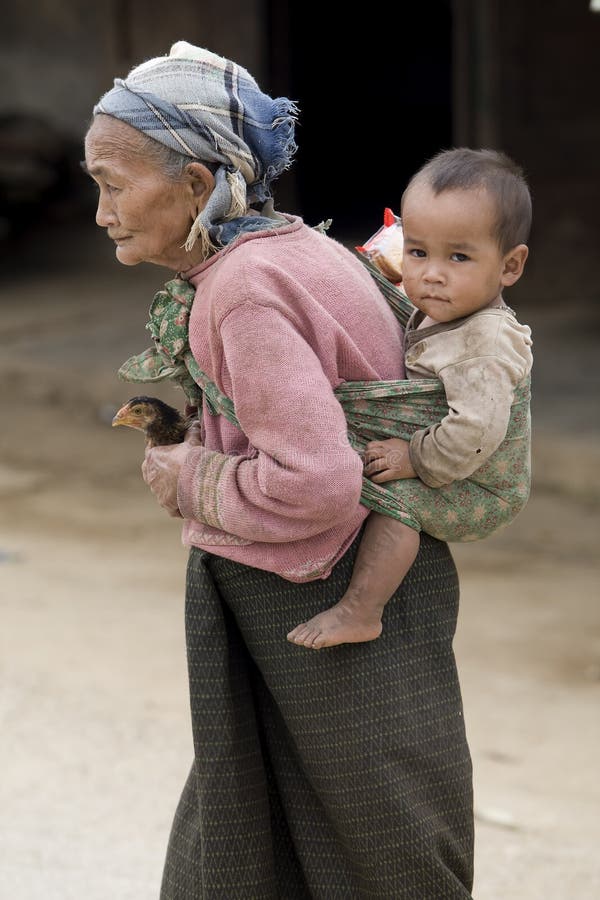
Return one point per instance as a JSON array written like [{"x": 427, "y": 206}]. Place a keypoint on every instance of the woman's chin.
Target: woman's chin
[{"x": 126, "y": 256}]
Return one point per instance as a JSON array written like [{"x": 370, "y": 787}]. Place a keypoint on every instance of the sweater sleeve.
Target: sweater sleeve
[
  {"x": 479, "y": 390},
  {"x": 304, "y": 477}
]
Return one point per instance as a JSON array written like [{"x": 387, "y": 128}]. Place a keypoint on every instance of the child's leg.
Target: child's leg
[{"x": 387, "y": 551}]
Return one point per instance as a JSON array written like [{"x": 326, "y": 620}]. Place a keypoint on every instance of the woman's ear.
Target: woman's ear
[
  {"x": 202, "y": 183},
  {"x": 514, "y": 263}
]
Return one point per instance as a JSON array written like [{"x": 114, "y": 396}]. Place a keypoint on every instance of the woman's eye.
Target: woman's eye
[{"x": 459, "y": 257}]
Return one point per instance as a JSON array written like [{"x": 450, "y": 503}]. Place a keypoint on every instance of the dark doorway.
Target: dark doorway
[{"x": 374, "y": 90}]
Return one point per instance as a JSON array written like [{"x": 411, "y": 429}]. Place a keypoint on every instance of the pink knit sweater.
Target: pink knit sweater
[{"x": 280, "y": 319}]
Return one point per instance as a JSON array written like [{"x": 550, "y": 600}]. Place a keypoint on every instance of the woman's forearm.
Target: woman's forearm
[{"x": 230, "y": 493}]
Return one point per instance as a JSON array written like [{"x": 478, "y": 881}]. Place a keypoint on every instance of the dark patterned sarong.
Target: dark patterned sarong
[{"x": 342, "y": 773}]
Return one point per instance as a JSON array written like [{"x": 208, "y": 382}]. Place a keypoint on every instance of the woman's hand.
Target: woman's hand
[
  {"x": 388, "y": 460},
  {"x": 161, "y": 468}
]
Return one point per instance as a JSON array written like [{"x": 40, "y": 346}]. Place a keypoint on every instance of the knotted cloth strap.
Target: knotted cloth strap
[
  {"x": 170, "y": 356},
  {"x": 374, "y": 409}
]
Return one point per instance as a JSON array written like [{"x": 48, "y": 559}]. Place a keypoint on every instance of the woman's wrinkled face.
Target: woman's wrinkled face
[{"x": 145, "y": 213}]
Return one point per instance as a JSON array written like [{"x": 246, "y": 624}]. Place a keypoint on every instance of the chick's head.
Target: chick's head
[
  {"x": 161, "y": 423},
  {"x": 139, "y": 412}
]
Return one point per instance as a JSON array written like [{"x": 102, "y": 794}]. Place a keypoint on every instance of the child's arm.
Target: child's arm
[
  {"x": 480, "y": 364},
  {"x": 480, "y": 393}
]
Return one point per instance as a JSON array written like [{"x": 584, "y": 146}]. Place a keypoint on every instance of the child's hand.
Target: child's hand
[{"x": 388, "y": 460}]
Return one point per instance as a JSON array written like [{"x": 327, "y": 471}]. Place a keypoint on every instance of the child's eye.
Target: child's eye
[
  {"x": 419, "y": 254},
  {"x": 459, "y": 257}
]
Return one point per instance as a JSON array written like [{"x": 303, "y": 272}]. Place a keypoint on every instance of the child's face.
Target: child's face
[{"x": 452, "y": 265}]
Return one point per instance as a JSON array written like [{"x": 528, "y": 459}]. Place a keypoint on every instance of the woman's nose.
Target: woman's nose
[{"x": 105, "y": 214}]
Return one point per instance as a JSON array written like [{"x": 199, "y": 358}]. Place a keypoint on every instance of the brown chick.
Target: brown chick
[{"x": 161, "y": 423}]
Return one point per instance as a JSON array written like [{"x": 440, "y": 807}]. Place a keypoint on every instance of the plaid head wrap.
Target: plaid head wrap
[{"x": 210, "y": 109}]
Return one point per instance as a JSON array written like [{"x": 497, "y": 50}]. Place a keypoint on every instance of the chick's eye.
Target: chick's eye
[
  {"x": 137, "y": 410},
  {"x": 459, "y": 257}
]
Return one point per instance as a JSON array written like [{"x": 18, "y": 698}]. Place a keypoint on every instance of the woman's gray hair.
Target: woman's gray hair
[{"x": 171, "y": 163}]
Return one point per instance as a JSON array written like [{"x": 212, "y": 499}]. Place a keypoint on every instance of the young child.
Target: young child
[{"x": 466, "y": 217}]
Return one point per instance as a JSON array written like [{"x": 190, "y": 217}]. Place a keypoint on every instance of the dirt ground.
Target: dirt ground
[{"x": 93, "y": 700}]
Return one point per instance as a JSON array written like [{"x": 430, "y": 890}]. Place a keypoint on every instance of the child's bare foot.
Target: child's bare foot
[{"x": 345, "y": 623}]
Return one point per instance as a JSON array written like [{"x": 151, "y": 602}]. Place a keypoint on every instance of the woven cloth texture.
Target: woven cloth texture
[{"x": 343, "y": 773}]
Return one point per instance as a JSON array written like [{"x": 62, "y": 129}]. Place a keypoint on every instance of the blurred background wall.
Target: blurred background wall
[{"x": 377, "y": 97}]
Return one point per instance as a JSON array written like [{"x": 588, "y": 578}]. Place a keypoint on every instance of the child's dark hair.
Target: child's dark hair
[{"x": 466, "y": 169}]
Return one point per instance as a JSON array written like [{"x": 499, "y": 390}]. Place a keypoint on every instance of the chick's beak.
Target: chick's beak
[{"x": 125, "y": 417}]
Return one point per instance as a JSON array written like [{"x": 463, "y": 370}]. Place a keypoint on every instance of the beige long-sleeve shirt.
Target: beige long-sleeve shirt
[{"x": 480, "y": 360}]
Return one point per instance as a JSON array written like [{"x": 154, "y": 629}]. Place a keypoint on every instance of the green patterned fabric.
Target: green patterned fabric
[
  {"x": 339, "y": 774},
  {"x": 170, "y": 355},
  {"x": 465, "y": 510}
]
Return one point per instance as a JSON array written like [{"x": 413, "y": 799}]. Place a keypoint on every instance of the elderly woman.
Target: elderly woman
[{"x": 342, "y": 773}]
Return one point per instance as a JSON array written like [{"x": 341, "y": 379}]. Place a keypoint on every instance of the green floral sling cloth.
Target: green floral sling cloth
[{"x": 464, "y": 510}]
